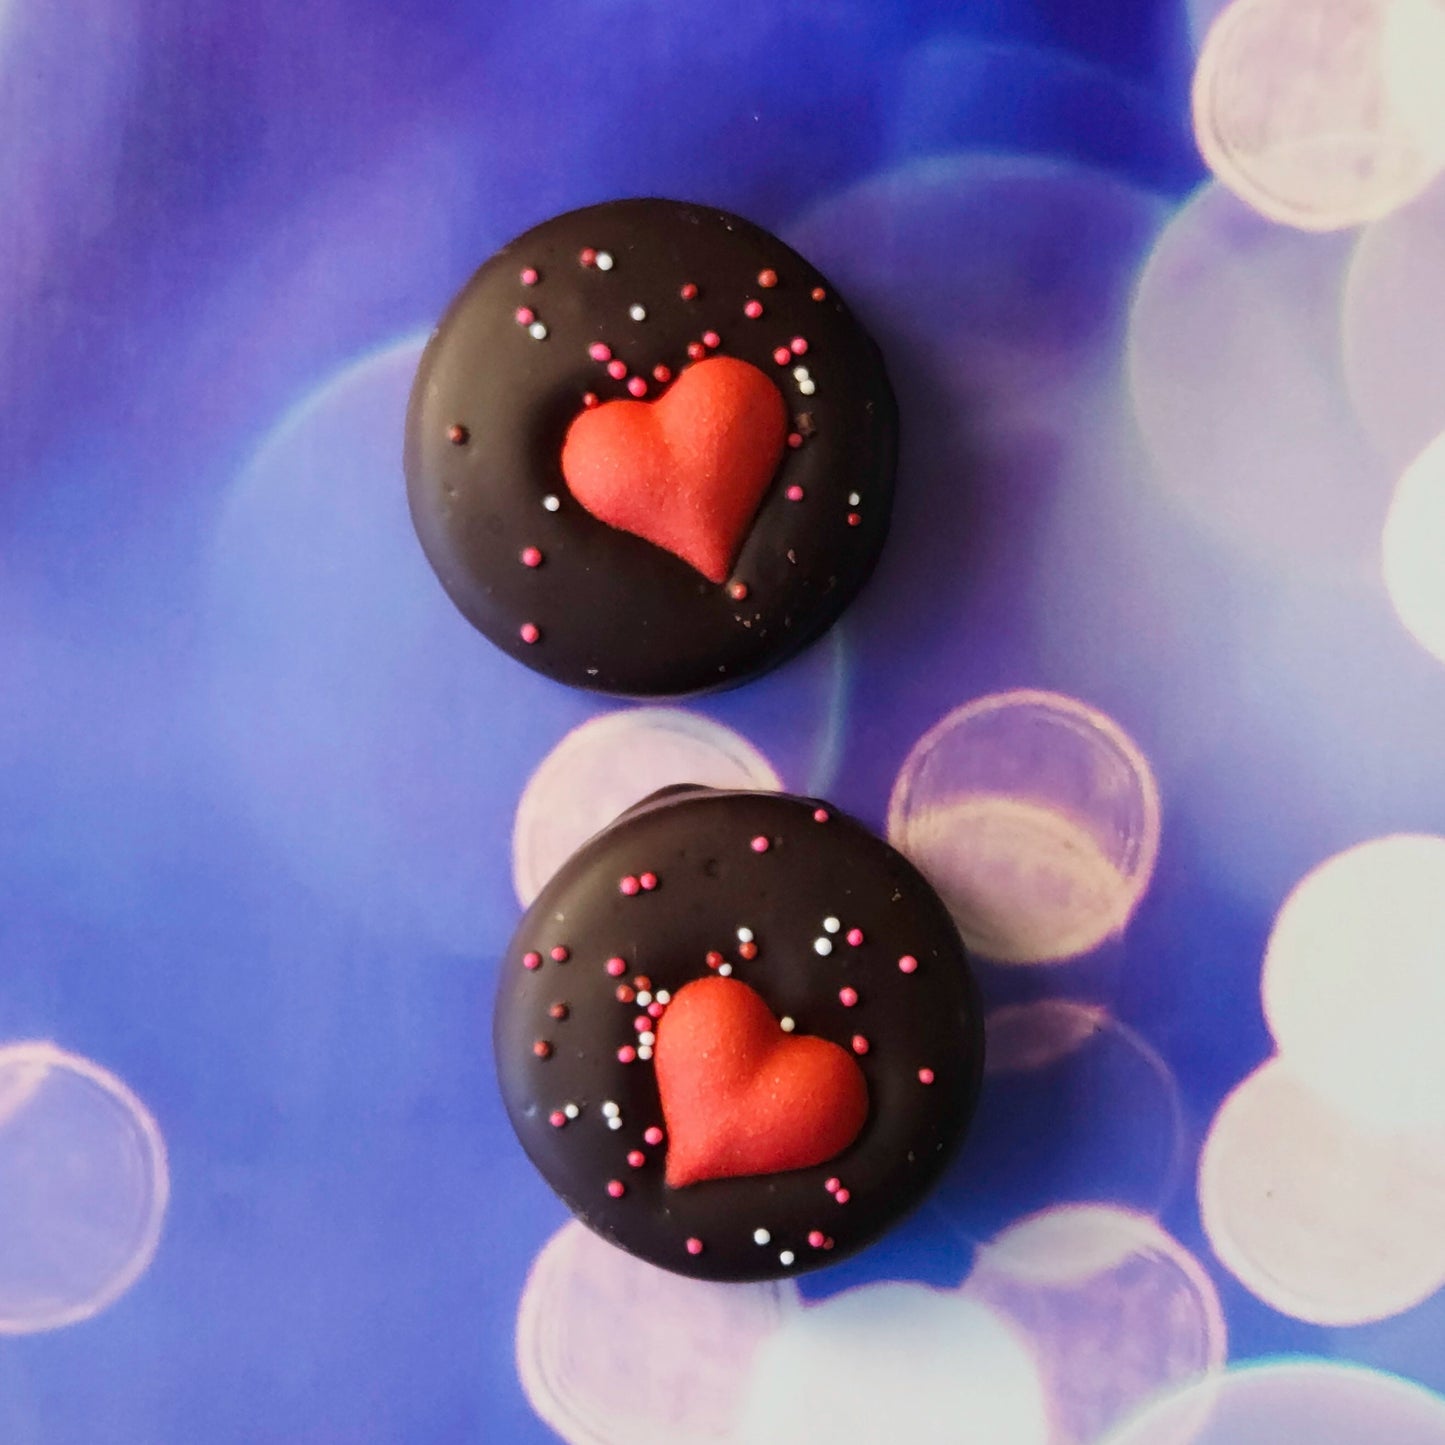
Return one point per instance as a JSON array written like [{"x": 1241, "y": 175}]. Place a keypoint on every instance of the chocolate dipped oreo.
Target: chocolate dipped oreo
[
  {"x": 737, "y": 1034},
  {"x": 650, "y": 451}
]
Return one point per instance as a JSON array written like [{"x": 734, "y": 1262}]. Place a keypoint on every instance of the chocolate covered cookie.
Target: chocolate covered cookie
[
  {"x": 737, "y": 1034},
  {"x": 649, "y": 450}
]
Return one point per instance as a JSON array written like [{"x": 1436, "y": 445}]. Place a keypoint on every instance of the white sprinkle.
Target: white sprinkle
[
  {"x": 786, "y": 1257},
  {"x": 745, "y": 935},
  {"x": 725, "y": 969},
  {"x": 644, "y": 998},
  {"x": 800, "y": 373},
  {"x": 823, "y": 946},
  {"x": 614, "y": 1123},
  {"x": 537, "y": 331},
  {"x": 761, "y": 1236},
  {"x": 637, "y": 313},
  {"x": 644, "y": 1053},
  {"x": 787, "y": 1025},
  {"x": 551, "y": 503},
  {"x": 807, "y": 388},
  {"x": 610, "y": 1110},
  {"x": 663, "y": 997},
  {"x": 831, "y": 925},
  {"x": 647, "y": 1037},
  {"x": 853, "y": 499},
  {"x": 571, "y": 1110},
  {"x": 604, "y": 260}
]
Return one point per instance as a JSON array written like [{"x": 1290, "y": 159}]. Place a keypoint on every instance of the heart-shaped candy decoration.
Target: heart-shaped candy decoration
[
  {"x": 685, "y": 472},
  {"x": 740, "y": 1096}
]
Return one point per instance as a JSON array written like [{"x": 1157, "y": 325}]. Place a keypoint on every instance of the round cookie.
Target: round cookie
[
  {"x": 737, "y": 1034},
  {"x": 650, "y": 451}
]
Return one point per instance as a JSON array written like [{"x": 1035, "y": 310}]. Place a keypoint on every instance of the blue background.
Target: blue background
[{"x": 257, "y": 781}]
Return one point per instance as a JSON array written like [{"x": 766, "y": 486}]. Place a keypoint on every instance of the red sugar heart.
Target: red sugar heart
[
  {"x": 685, "y": 472},
  {"x": 740, "y": 1096}
]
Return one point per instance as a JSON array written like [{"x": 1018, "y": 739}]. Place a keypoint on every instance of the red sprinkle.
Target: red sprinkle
[
  {"x": 643, "y": 982},
  {"x": 855, "y": 936},
  {"x": 908, "y": 964},
  {"x": 817, "y": 1238},
  {"x": 636, "y": 1158},
  {"x": 626, "y": 1054},
  {"x": 589, "y": 399},
  {"x": 529, "y": 632},
  {"x": 529, "y": 276},
  {"x": 767, "y": 278},
  {"x": 560, "y": 954},
  {"x": 782, "y": 356},
  {"x": 542, "y": 1049},
  {"x": 652, "y": 1136},
  {"x": 688, "y": 292},
  {"x": 925, "y": 1076},
  {"x": 737, "y": 590},
  {"x": 624, "y": 993},
  {"x": 600, "y": 351},
  {"x": 842, "y": 1196},
  {"x": 637, "y": 386},
  {"x": 694, "y": 1246},
  {"x": 848, "y": 997},
  {"x": 795, "y": 439},
  {"x": 860, "y": 1044},
  {"x": 748, "y": 951},
  {"x": 794, "y": 493},
  {"x": 760, "y": 844},
  {"x": 556, "y": 1118},
  {"x": 558, "y": 1011},
  {"x": 588, "y": 256},
  {"x": 711, "y": 340},
  {"x": 818, "y": 293},
  {"x": 616, "y": 369},
  {"x": 457, "y": 434},
  {"x": 629, "y": 886},
  {"x": 799, "y": 345},
  {"x": 531, "y": 557},
  {"x": 820, "y": 815},
  {"x": 648, "y": 881},
  {"x": 531, "y": 960},
  {"x": 833, "y": 1185},
  {"x": 696, "y": 350},
  {"x": 661, "y": 374},
  {"x": 616, "y": 1188},
  {"x": 854, "y": 519},
  {"x": 525, "y": 316},
  {"x": 714, "y": 958},
  {"x": 753, "y": 309}
]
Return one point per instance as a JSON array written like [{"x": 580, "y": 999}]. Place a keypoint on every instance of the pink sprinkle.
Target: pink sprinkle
[
  {"x": 529, "y": 632},
  {"x": 531, "y": 960},
  {"x": 855, "y": 936},
  {"x": 711, "y": 340},
  {"x": 908, "y": 964},
  {"x": 794, "y": 493},
  {"x": 556, "y": 1118},
  {"x": 636, "y": 1158},
  {"x": 629, "y": 886},
  {"x": 588, "y": 256},
  {"x": 782, "y": 356},
  {"x": 652, "y": 1136},
  {"x": 648, "y": 881},
  {"x": 542, "y": 1049},
  {"x": 848, "y": 997},
  {"x": 525, "y": 316},
  {"x": 753, "y": 309},
  {"x": 616, "y": 967},
  {"x": 529, "y": 276},
  {"x": 616, "y": 1188},
  {"x": 694, "y": 1246},
  {"x": 531, "y": 557},
  {"x": 795, "y": 439},
  {"x": 925, "y": 1076},
  {"x": 641, "y": 1023},
  {"x": 600, "y": 351},
  {"x": 799, "y": 345},
  {"x": 860, "y": 1044},
  {"x": 854, "y": 519},
  {"x": 818, "y": 293},
  {"x": 560, "y": 954},
  {"x": 626, "y": 1054},
  {"x": 654, "y": 1010},
  {"x": 760, "y": 844},
  {"x": 833, "y": 1185},
  {"x": 696, "y": 350},
  {"x": 816, "y": 1238},
  {"x": 616, "y": 369},
  {"x": 688, "y": 292},
  {"x": 842, "y": 1196},
  {"x": 637, "y": 386},
  {"x": 589, "y": 399},
  {"x": 661, "y": 374},
  {"x": 820, "y": 815}
]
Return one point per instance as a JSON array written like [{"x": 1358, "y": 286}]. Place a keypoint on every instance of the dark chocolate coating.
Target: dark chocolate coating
[
  {"x": 710, "y": 883},
  {"x": 616, "y": 613}
]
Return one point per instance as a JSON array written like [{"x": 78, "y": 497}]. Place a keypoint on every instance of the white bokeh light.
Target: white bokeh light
[
  {"x": 602, "y": 768},
  {"x": 83, "y": 1188},
  {"x": 894, "y": 1362},
  {"x": 1300, "y": 1402},
  {"x": 1354, "y": 981},
  {"x": 1037, "y": 819},
  {"x": 1414, "y": 549},
  {"x": 614, "y": 1351},
  {"x": 1323, "y": 114},
  {"x": 1321, "y": 1219},
  {"x": 1071, "y": 1277}
]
